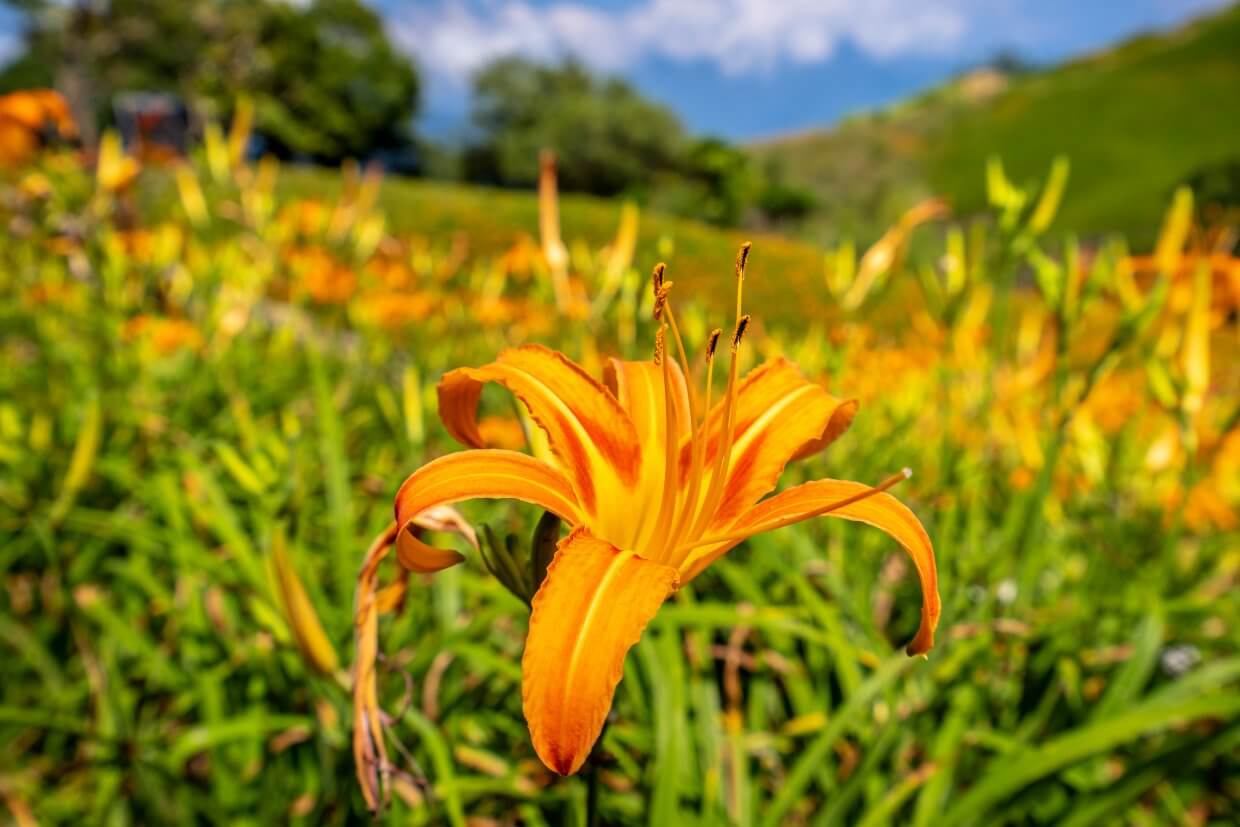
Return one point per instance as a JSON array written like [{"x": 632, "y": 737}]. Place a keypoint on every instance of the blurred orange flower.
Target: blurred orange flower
[
  {"x": 321, "y": 275},
  {"x": 165, "y": 335},
  {"x": 30, "y": 120},
  {"x": 392, "y": 309},
  {"x": 501, "y": 432}
]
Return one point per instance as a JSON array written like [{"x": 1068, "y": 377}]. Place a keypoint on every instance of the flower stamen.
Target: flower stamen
[
  {"x": 715, "y": 491},
  {"x": 696, "y": 435},
  {"x": 667, "y": 502}
]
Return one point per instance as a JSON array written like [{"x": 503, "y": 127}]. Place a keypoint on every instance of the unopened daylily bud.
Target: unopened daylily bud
[
  {"x": 500, "y": 558},
  {"x": 542, "y": 547},
  {"x": 315, "y": 647}
]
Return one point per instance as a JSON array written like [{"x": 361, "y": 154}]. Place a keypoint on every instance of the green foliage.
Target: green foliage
[
  {"x": 1217, "y": 188},
  {"x": 607, "y": 138},
  {"x": 716, "y": 183},
  {"x": 1135, "y": 122},
  {"x": 329, "y": 85},
  {"x": 326, "y": 82},
  {"x": 1086, "y": 670}
]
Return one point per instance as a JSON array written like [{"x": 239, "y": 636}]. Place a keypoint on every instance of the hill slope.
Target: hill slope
[
  {"x": 1136, "y": 121},
  {"x": 699, "y": 256}
]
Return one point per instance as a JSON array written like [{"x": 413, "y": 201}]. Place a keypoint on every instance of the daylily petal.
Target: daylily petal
[
  {"x": 881, "y": 510},
  {"x": 780, "y": 416},
  {"x": 639, "y": 387},
  {"x": 589, "y": 432},
  {"x": 480, "y": 474},
  {"x": 591, "y": 608}
]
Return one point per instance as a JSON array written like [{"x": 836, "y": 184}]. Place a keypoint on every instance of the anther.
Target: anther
[
  {"x": 740, "y": 332},
  {"x": 742, "y": 256},
  {"x": 660, "y": 345},
  {"x": 660, "y": 299},
  {"x": 712, "y": 343},
  {"x": 656, "y": 277}
]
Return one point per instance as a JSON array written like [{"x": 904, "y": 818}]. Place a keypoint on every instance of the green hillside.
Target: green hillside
[
  {"x": 1136, "y": 121},
  {"x": 699, "y": 256}
]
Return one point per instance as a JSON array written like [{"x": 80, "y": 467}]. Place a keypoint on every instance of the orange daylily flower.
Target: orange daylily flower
[
  {"x": 165, "y": 335},
  {"x": 656, "y": 483},
  {"x": 29, "y": 120}
]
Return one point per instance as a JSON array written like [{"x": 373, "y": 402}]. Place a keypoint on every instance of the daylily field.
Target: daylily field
[{"x": 1012, "y": 452}]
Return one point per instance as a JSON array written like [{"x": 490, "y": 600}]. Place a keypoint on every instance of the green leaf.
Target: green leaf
[{"x": 1022, "y": 769}]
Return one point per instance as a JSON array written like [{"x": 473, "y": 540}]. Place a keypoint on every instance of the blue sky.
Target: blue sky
[{"x": 748, "y": 68}]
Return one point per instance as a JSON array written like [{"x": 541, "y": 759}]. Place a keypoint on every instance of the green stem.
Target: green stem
[
  {"x": 594, "y": 791},
  {"x": 592, "y": 795},
  {"x": 1032, "y": 506}
]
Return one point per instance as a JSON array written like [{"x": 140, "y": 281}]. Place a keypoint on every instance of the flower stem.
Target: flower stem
[{"x": 593, "y": 789}]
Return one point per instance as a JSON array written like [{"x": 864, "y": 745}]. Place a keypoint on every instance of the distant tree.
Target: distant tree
[
  {"x": 607, "y": 137},
  {"x": 1216, "y": 188},
  {"x": 329, "y": 84},
  {"x": 715, "y": 182},
  {"x": 326, "y": 82},
  {"x": 1010, "y": 62}
]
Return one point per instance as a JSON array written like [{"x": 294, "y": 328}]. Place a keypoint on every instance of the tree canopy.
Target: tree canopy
[
  {"x": 606, "y": 136},
  {"x": 325, "y": 80}
]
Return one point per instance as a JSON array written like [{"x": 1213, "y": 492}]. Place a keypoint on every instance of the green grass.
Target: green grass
[
  {"x": 151, "y": 674},
  {"x": 1136, "y": 121}
]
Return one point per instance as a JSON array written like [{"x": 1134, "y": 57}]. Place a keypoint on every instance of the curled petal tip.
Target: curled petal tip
[
  {"x": 421, "y": 558},
  {"x": 923, "y": 642},
  {"x": 914, "y": 651}
]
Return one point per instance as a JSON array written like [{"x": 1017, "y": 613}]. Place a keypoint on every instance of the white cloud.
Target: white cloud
[
  {"x": 10, "y": 47},
  {"x": 452, "y": 39}
]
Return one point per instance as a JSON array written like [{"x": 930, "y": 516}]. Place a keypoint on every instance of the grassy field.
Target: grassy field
[
  {"x": 206, "y": 409},
  {"x": 490, "y": 221},
  {"x": 1136, "y": 121}
]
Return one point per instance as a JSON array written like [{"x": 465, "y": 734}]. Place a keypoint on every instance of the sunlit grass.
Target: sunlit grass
[{"x": 206, "y": 408}]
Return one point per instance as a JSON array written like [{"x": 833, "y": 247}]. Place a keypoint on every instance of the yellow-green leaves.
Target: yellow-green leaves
[
  {"x": 215, "y": 147},
  {"x": 1002, "y": 194},
  {"x": 1196, "y": 352},
  {"x": 1174, "y": 234},
  {"x": 114, "y": 170},
  {"x": 1011, "y": 200},
  {"x": 85, "y": 449},
  {"x": 411, "y": 403},
  {"x": 239, "y": 132},
  {"x": 192, "y": 200},
  {"x": 1048, "y": 202}
]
